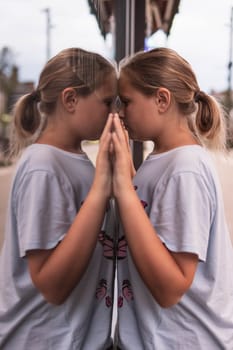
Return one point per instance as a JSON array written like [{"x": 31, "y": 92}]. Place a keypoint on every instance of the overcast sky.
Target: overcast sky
[{"x": 200, "y": 33}]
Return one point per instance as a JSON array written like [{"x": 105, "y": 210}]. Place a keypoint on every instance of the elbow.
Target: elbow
[
  {"x": 54, "y": 302},
  {"x": 55, "y": 299},
  {"x": 166, "y": 303},
  {"x": 167, "y": 296},
  {"x": 50, "y": 286},
  {"x": 52, "y": 294},
  {"x": 168, "y": 299},
  {"x": 56, "y": 296}
]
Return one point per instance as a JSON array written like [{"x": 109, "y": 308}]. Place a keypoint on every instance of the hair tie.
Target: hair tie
[
  {"x": 35, "y": 95},
  {"x": 197, "y": 95}
]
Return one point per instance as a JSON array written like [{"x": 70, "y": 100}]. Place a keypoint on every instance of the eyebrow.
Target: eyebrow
[
  {"x": 108, "y": 98},
  {"x": 124, "y": 97},
  {"x": 105, "y": 98}
]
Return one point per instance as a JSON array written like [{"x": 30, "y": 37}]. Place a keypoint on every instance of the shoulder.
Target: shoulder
[
  {"x": 192, "y": 170},
  {"x": 193, "y": 159},
  {"x": 38, "y": 156},
  {"x": 42, "y": 157},
  {"x": 187, "y": 165},
  {"x": 37, "y": 163},
  {"x": 185, "y": 160}
]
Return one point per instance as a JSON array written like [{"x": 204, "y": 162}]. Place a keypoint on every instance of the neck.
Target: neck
[
  {"x": 65, "y": 145},
  {"x": 174, "y": 140}
]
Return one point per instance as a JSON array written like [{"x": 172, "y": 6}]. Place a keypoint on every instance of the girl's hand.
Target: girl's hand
[
  {"x": 103, "y": 173},
  {"x": 123, "y": 169},
  {"x": 133, "y": 171}
]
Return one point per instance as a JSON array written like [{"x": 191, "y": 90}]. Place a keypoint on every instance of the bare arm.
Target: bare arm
[
  {"x": 56, "y": 272},
  {"x": 167, "y": 275}
]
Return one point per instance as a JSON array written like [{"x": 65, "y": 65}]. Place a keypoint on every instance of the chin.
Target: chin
[
  {"x": 134, "y": 137},
  {"x": 96, "y": 138}
]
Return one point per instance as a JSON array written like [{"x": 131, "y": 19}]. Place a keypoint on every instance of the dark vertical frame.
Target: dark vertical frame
[
  {"x": 139, "y": 39},
  {"x": 129, "y": 38}
]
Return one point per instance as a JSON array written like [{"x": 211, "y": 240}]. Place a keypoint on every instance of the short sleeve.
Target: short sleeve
[
  {"x": 182, "y": 213},
  {"x": 44, "y": 209}
]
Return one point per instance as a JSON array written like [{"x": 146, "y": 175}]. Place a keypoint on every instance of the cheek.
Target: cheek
[
  {"x": 102, "y": 116},
  {"x": 132, "y": 113},
  {"x": 98, "y": 116},
  {"x": 103, "y": 111}
]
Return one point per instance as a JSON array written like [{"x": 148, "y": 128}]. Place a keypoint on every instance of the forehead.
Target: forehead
[
  {"x": 124, "y": 86},
  {"x": 109, "y": 84},
  {"x": 108, "y": 88}
]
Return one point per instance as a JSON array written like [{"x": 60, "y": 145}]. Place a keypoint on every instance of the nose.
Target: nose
[
  {"x": 121, "y": 114},
  {"x": 119, "y": 107}
]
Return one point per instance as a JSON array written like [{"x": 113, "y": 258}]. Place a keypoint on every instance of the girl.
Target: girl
[
  {"x": 175, "y": 281},
  {"x": 55, "y": 276}
]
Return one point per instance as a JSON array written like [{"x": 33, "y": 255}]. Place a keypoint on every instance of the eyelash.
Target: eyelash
[
  {"x": 125, "y": 102},
  {"x": 108, "y": 103}
]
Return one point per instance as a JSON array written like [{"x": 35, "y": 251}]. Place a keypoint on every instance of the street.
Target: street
[
  {"x": 5, "y": 181},
  {"x": 224, "y": 167}
]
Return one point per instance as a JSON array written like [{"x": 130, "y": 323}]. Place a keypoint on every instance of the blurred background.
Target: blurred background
[{"x": 33, "y": 31}]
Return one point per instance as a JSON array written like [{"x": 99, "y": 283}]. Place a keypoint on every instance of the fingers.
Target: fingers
[
  {"x": 108, "y": 126},
  {"x": 114, "y": 137},
  {"x": 117, "y": 123},
  {"x": 105, "y": 138},
  {"x": 119, "y": 129},
  {"x": 121, "y": 132},
  {"x": 127, "y": 139},
  {"x": 106, "y": 142}
]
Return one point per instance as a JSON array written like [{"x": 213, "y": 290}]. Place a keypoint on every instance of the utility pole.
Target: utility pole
[{"x": 48, "y": 32}]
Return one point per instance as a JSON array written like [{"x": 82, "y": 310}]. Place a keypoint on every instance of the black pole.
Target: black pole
[
  {"x": 139, "y": 38},
  {"x": 120, "y": 29},
  {"x": 230, "y": 62},
  {"x": 129, "y": 38}
]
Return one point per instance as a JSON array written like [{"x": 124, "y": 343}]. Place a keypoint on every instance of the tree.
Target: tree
[
  {"x": 8, "y": 74},
  {"x": 8, "y": 82}
]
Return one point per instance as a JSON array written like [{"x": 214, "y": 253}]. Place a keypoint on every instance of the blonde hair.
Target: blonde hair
[
  {"x": 73, "y": 67},
  {"x": 164, "y": 67}
]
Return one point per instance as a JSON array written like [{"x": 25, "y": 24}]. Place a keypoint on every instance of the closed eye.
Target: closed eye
[
  {"x": 125, "y": 102},
  {"x": 108, "y": 103}
]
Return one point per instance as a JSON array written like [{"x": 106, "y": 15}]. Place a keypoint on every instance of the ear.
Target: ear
[
  {"x": 163, "y": 99},
  {"x": 69, "y": 99}
]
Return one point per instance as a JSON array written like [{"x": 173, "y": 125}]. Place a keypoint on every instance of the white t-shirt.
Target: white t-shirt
[
  {"x": 48, "y": 190},
  {"x": 181, "y": 194}
]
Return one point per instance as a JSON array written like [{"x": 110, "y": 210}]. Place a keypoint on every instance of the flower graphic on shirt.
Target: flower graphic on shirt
[
  {"x": 127, "y": 290},
  {"x": 144, "y": 204},
  {"x": 109, "y": 251},
  {"x": 120, "y": 301},
  {"x": 127, "y": 293},
  {"x": 108, "y": 245},
  {"x": 108, "y": 301},
  {"x": 101, "y": 290},
  {"x": 122, "y": 248}
]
